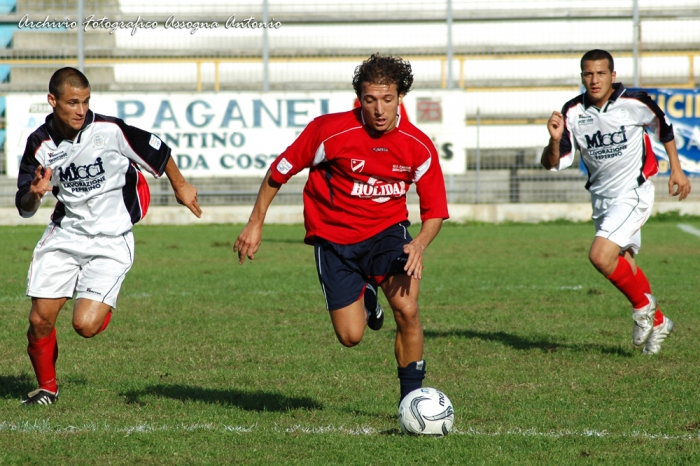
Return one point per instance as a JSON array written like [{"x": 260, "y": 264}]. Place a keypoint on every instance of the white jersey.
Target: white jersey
[
  {"x": 614, "y": 145},
  {"x": 99, "y": 188}
]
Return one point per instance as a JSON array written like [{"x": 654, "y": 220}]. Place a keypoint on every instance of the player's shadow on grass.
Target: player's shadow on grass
[
  {"x": 250, "y": 401},
  {"x": 521, "y": 343},
  {"x": 16, "y": 386}
]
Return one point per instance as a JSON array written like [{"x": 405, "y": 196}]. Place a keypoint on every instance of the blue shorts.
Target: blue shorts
[{"x": 345, "y": 269}]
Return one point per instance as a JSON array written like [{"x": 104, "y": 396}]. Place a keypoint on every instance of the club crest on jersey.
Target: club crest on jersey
[
  {"x": 357, "y": 165},
  {"x": 98, "y": 142},
  {"x": 624, "y": 114}
]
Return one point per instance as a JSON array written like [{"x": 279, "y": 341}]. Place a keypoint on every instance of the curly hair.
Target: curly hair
[{"x": 378, "y": 69}]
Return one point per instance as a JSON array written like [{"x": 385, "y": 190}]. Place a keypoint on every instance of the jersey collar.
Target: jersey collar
[
  {"x": 618, "y": 89},
  {"x": 57, "y": 137}
]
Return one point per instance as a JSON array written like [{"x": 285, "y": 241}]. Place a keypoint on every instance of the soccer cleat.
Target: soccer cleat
[
  {"x": 644, "y": 322},
  {"x": 375, "y": 313},
  {"x": 658, "y": 335},
  {"x": 41, "y": 397}
]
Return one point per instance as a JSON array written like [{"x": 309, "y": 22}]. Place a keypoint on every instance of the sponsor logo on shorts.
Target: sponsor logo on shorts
[
  {"x": 357, "y": 165},
  {"x": 400, "y": 168},
  {"x": 284, "y": 166},
  {"x": 82, "y": 178},
  {"x": 90, "y": 290}
]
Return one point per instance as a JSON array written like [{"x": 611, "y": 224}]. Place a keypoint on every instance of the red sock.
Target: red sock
[
  {"x": 642, "y": 280},
  {"x": 105, "y": 323},
  {"x": 624, "y": 280},
  {"x": 43, "y": 353},
  {"x": 644, "y": 283}
]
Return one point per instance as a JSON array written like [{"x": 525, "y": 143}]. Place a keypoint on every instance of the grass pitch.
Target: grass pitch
[{"x": 209, "y": 362}]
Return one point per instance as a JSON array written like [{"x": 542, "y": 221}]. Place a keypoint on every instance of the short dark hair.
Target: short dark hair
[
  {"x": 378, "y": 69},
  {"x": 69, "y": 76},
  {"x": 598, "y": 54}
]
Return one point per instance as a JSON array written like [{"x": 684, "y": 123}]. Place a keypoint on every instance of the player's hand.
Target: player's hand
[
  {"x": 555, "y": 126},
  {"x": 248, "y": 241},
  {"x": 186, "y": 194},
  {"x": 41, "y": 184},
  {"x": 414, "y": 263},
  {"x": 679, "y": 181}
]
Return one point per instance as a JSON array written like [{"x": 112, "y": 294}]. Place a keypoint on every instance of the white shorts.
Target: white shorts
[
  {"x": 94, "y": 266},
  {"x": 620, "y": 219}
]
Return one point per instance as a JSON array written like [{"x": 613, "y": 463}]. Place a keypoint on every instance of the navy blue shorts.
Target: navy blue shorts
[{"x": 345, "y": 269}]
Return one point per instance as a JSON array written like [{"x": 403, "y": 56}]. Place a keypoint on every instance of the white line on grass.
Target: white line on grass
[
  {"x": 44, "y": 426},
  {"x": 689, "y": 229}
]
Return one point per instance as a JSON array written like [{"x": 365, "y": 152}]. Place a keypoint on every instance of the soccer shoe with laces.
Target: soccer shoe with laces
[
  {"x": 644, "y": 322},
  {"x": 41, "y": 397},
  {"x": 375, "y": 313},
  {"x": 658, "y": 335}
]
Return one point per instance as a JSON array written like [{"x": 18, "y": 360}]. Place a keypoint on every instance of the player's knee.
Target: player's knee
[
  {"x": 39, "y": 324},
  {"x": 407, "y": 316},
  {"x": 85, "y": 329},
  {"x": 599, "y": 260},
  {"x": 349, "y": 339}
]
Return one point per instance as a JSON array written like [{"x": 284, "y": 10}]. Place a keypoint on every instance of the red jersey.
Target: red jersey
[{"x": 357, "y": 183}]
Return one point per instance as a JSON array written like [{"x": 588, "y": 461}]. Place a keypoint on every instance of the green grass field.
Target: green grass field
[{"x": 209, "y": 362}]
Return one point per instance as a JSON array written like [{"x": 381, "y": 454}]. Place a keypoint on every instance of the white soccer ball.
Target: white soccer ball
[{"x": 426, "y": 411}]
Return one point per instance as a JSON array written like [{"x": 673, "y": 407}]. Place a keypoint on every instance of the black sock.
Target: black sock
[{"x": 411, "y": 377}]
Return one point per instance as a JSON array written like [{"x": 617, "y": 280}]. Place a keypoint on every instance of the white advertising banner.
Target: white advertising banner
[{"x": 238, "y": 134}]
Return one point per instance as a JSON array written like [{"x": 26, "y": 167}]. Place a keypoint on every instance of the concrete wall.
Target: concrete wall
[{"x": 287, "y": 214}]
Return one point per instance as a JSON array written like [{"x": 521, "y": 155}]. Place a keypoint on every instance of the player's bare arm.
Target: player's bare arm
[
  {"x": 185, "y": 193},
  {"x": 677, "y": 179},
  {"x": 428, "y": 231},
  {"x": 249, "y": 240},
  {"x": 41, "y": 184},
  {"x": 555, "y": 126}
]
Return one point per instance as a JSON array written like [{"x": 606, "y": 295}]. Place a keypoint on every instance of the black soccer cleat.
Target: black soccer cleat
[
  {"x": 375, "y": 313},
  {"x": 41, "y": 397}
]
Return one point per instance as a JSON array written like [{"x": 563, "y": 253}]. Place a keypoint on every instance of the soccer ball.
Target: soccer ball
[{"x": 426, "y": 411}]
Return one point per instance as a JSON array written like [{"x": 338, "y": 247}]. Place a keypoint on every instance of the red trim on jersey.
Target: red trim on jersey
[
  {"x": 651, "y": 165},
  {"x": 143, "y": 192}
]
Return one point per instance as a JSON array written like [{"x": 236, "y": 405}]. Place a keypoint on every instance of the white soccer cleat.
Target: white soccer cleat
[
  {"x": 658, "y": 335},
  {"x": 643, "y": 322}
]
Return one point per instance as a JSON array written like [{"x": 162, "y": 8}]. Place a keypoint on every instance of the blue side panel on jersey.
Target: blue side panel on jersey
[
  {"x": 2, "y": 105},
  {"x": 2, "y": 137}
]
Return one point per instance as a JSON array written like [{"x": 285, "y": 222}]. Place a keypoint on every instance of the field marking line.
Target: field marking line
[
  {"x": 689, "y": 229},
  {"x": 44, "y": 426}
]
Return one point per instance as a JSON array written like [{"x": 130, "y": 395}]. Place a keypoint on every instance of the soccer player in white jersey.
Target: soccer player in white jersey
[
  {"x": 608, "y": 125},
  {"x": 89, "y": 162}
]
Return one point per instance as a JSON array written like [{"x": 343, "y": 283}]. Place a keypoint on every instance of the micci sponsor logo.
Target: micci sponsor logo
[
  {"x": 81, "y": 172},
  {"x": 598, "y": 139}
]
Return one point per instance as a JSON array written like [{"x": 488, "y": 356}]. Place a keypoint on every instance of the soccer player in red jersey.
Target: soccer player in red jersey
[
  {"x": 89, "y": 162},
  {"x": 361, "y": 164},
  {"x": 608, "y": 124}
]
